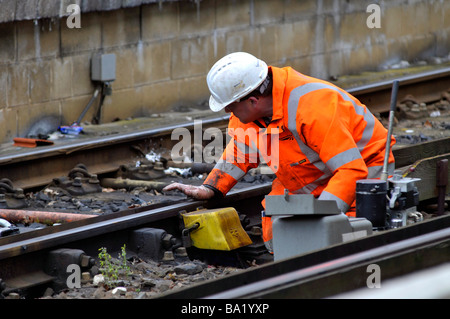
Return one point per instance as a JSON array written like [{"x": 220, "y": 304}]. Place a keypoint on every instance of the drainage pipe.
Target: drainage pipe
[{"x": 87, "y": 107}]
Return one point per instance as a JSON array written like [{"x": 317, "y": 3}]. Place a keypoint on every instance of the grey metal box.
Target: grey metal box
[
  {"x": 299, "y": 204},
  {"x": 296, "y": 235},
  {"x": 103, "y": 67}
]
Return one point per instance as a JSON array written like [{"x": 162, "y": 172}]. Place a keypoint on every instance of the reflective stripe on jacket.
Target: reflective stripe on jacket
[{"x": 320, "y": 141}]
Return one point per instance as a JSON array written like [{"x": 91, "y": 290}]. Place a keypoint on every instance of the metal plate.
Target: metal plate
[{"x": 300, "y": 204}]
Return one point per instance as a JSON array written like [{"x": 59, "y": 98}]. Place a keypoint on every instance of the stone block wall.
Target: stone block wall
[{"x": 164, "y": 49}]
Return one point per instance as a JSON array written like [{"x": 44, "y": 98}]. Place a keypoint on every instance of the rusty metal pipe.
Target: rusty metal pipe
[
  {"x": 131, "y": 183},
  {"x": 48, "y": 218}
]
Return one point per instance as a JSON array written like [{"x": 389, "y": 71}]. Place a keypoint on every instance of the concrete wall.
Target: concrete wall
[{"x": 164, "y": 49}]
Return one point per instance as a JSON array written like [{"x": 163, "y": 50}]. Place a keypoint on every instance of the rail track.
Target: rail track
[{"x": 24, "y": 257}]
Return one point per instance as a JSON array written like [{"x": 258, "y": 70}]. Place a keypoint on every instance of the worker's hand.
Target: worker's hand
[{"x": 197, "y": 192}]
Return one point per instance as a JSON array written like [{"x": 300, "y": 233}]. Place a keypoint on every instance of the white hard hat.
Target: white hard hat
[{"x": 233, "y": 77}]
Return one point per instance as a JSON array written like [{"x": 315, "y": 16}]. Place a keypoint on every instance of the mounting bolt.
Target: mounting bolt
[
  {"x": 19, "y": 193},
  {"x": 77, "y": 182},
  {"x": 87, "y": 261},
  {"x": 168, "y": 256},
  {"x": 93, "y": 179}
]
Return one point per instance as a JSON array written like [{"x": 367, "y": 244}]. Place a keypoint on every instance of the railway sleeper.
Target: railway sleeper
[{"x": 57, "y": 269}]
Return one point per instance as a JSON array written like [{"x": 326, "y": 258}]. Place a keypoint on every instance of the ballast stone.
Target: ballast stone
[{"x": 188, "y": 269}]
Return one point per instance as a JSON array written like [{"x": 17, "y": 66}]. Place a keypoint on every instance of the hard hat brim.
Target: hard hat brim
[{"x": 216, "y": 106}]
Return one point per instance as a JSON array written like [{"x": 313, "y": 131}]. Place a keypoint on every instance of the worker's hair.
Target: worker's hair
[{"x": 264, "y": 89}]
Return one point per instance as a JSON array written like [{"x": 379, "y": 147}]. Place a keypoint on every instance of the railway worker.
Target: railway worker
[{"x": 327, "y": 139}]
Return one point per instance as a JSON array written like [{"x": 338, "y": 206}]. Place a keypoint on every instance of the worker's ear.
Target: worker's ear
[{"x": 254, "y": 100}]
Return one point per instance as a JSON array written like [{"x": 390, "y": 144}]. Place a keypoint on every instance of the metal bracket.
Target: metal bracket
[{"x": 185, "y": 235}]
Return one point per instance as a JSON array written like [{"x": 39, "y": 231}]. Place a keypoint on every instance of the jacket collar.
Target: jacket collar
[{"x": 279, "y": 77}]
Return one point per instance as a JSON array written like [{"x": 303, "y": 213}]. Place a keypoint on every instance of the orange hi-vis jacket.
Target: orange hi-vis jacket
[{"x": 320, "y": 141}]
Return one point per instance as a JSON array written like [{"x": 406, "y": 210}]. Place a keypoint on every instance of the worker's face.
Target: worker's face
[{"x": 246, "y": 111}]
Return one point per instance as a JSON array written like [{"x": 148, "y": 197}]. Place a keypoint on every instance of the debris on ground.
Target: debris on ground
[{"x": 145, "y": 280}]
